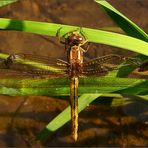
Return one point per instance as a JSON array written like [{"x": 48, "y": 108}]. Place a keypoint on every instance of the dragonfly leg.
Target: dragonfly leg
[
  {"x": 70, "y": 32},
  {"x": 87, "y": 48},
  {"x": 62, "y": 62},
  {"x": 65, "y": 35},
  {"x": 58, "y": 35},
  {"x": 85, "y": 40}
]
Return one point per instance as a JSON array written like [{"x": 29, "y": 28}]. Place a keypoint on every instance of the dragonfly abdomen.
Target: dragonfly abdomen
[{"x": 74, "y": 81}]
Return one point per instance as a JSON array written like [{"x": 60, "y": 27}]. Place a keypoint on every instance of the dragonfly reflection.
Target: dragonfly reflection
[{"x": 74, "y": 68}]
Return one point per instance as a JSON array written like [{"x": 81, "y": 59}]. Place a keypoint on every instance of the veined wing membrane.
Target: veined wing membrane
[
  {"x": 33, "y": 65},
  {"x": 36, "y": 58},
  {"x": 101, "y": 65},
  {"x": 103, "y": 59}
]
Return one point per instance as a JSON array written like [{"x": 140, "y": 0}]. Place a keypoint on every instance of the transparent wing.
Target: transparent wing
[
  {"x": 101, "y": 65},
  {"x": 111, "y": 58},
  {"x": 27, "y": 64}
]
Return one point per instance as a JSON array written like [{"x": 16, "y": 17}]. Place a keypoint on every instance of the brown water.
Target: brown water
[{"x": 22, "y": 118}]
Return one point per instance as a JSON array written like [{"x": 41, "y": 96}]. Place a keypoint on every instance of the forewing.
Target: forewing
[
  {"x": 27, "y": 64},
  {"x": 101, "y": 65}
]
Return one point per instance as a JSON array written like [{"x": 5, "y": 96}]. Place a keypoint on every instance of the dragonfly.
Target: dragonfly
[{"x": 74, "y": 68}]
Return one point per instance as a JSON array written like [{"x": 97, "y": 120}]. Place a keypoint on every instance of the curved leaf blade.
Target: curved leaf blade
[
  {"x": 93, "y": 35},
  {"x": 60, "y": 86},
  {"x": 126, "y": 24},
  {"x": 6, "y": 2}
]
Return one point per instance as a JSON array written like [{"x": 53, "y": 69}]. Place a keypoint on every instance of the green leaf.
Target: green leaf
[
  {"x": 60, "y": 86},
  {"x": 6, "y": 2},
  {"x": 120, "y": 100},
  {"x": 93, "y": 35},
  {"x": 126, "y": 24}
]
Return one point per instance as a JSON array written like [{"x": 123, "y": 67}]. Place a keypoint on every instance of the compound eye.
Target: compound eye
[{"x": 79, "y": 38}]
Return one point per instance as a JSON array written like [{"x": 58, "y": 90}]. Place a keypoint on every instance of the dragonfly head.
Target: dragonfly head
[{"x": 75, "y": 39}]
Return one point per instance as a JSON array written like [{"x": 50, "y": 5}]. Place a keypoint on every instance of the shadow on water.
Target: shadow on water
[{"x": 138, "y": 108}]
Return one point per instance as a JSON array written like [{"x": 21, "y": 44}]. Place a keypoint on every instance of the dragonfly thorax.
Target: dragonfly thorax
[
  {"x": 75, "y": 55},
  {"x": 75, "y": 60}
]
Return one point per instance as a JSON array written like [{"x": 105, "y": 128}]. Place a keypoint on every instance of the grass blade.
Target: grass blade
[
  {"x": 93, "y": 35},
  {"x": 6, "y": 2},
  {"x": 126, "y": 24},
  {"x": 60, "y": 86}
]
